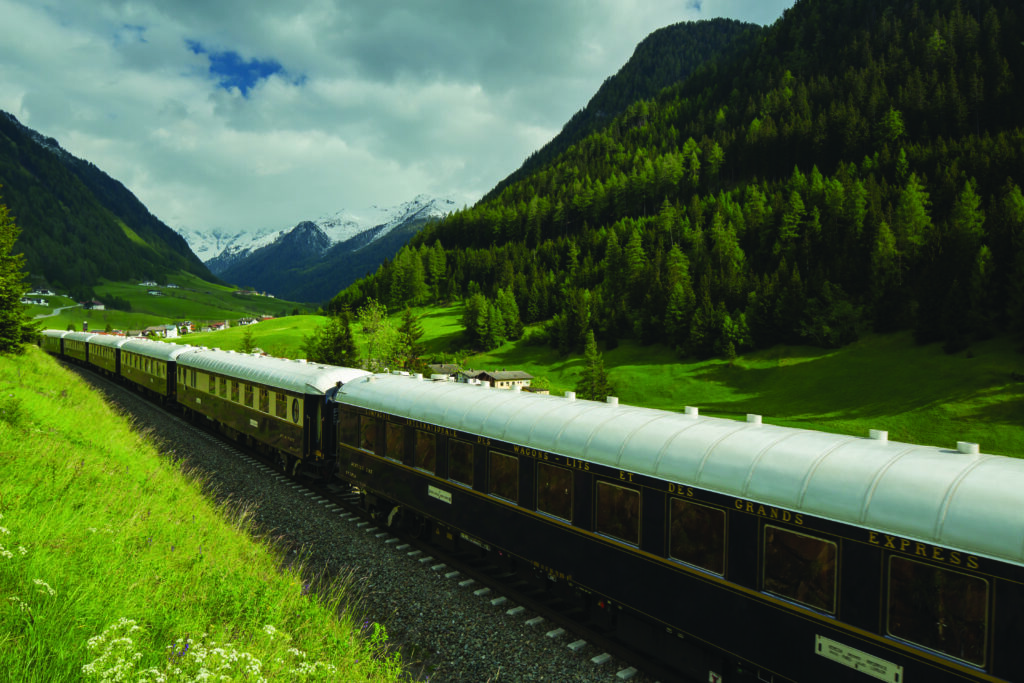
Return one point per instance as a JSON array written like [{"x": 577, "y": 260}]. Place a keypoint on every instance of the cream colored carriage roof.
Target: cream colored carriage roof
[
  {"x": 970, "y": 501},
  {"x": 79, "y": 336},
  {"x": 108, "y": 340},
  {"x": 156, "y": 349},
  {"x": 280, "y": 373},
  {"x": 55, "y": 333}
]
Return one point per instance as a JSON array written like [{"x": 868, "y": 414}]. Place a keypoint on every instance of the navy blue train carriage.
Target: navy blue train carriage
[{"x": 730, "y": 550}]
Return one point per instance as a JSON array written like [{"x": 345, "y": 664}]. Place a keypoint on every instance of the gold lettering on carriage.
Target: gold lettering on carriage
[
  {"x": 531, "y": 453},
  {"x": 768, "y": 511},
  {"x": 925, "y": 550},
  {"x": 426, "y": 427}
]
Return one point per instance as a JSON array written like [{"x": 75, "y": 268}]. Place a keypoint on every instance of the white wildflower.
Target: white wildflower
[
  {"x": 4, "y": 530},
  {"x": 17, "y": 602},
  {"x": 23, "y": 550},
  {"x": 4, "y": 552},
  {"x": 44, "y": 587}
]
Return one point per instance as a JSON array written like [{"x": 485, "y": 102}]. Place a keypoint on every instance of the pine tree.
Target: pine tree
[
  {"x": 14, "y": 325},
  {"x": 593, "y": 383},
  {"x": 410, "y": 331},
  {"x": 333, "y": 343}
]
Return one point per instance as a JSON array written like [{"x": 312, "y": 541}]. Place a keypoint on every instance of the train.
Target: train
[{"x": 727, "y": 550}]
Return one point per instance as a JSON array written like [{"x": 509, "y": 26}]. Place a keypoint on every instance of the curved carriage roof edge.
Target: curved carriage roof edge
[
  {"x": 164, "y": 351},
  {"x": 109, "y": 340},
  {"x": 55, "y": 333},
  {"x": 278, "y": 373},
  {"x": 921, "y": 493},
  {"x": 80, "y": 336}
]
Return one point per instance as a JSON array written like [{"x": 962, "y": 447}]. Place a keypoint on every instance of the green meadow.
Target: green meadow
[
  {"x": 919, "y": 394},
  {"x": 114, "y": 565},
  {"x": 193, "y": 299}
]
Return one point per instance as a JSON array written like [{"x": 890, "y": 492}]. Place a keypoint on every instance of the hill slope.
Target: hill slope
[
  {"x": 852, "y": 168},
  {"x": 79, "y": 224}
]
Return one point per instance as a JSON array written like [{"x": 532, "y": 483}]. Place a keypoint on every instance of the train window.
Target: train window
[
  {"x": 193, "y": 378},
  {"x": 368, "y": 433},
  {"x": 425, "y": 457},
  {"x": 264, "y": 400},
  {"x": 800, "y": 567},
  {"x": 348, "y": 428},
  {"x": 295, "y": 410},
  {"x": 234, "y": 391},
  {"x": 248, "y": 395},
  {"x": 460, "y": 461},
  {"x": 223, "y": 388},
  {"x": 697, "y": 535},
  {"x": 280, "y": 404},
  {"x": 211, "y": 383},
  {"x": 938, "y": 608},
  {"x": 554, "y": 490},
  {"x": 618, "y": 512},
  {"x": 394, "y": 441},
  {"x": 505, "y": 476}
]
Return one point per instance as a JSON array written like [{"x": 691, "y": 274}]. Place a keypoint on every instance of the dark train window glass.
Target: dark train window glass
[
  {"x": 223, "y": 388},
  {"x": 554, "y": 490},
  {"x": 939, "y": 609},
  {"x": 505, "y": 476},
  {"x": 697, "y": 535},
  {"x": 425, "y": 457},
  {"x": 248, "y": 395},
  {"x": 264, "y": 400},
  {"x": 618, "y": 512},
  {"x": 193, "y": 376},
  {"x": 280, "y": 404},
  {"x": 394, "y": 441},
  {"x": 348, "y": 428},
  {"x": 295, "y": 410},
  {"x": 211, "y": 384},
  {"x": 800, "y": 567},
  {"x": 234, "y": 391},
  {"x": 368, "y": 433},
  {"x": 460, "y": 462}
]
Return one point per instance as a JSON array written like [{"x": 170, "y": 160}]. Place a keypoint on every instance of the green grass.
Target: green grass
[
  {"x": 194, "y": 299},
  {"x": 104, "y": 538},
  {"x": 279, "y": 337}
]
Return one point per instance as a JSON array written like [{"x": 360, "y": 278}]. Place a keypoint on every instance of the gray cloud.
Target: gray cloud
[{"x": 374, "y": 102}]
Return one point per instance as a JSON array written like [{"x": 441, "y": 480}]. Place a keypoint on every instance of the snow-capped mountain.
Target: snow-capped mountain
[
  {"x": 316, "y": 259},
  {"x": 220, "y": 250}
]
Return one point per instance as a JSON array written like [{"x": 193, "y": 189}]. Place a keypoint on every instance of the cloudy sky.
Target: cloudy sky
[{"x": 248, "y": 114}]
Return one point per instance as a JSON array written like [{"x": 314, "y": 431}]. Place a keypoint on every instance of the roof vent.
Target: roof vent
[
  {"x": 571, "y": 395},
  {"x": 613, "y": 400},
  {"x": 692, "y": 412},
  {"x": 878, "y": 435},
  {"x": 753, "y": 419},
  {"x": 967, "y": 447}
]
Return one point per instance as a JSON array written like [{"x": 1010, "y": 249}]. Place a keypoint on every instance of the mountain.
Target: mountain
[
  {"x": 854, "y": 167},
  {"x": 665, "y": 57},
  {"x": 77, "y": 223},
  {"x": 315, "y": 259}
]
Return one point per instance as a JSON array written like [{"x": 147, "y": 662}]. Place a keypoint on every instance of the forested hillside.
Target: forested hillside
[
  {"x": 667, "y": 56},
  {"x": 853, "y": 169},
  {"x": 77, "y": 223}
]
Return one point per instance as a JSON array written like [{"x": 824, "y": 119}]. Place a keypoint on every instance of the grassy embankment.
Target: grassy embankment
[
  {"x": 919, "y": 394},
  {"x": 98, "y": 530},
  {"x": 193, "y": 299}
]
